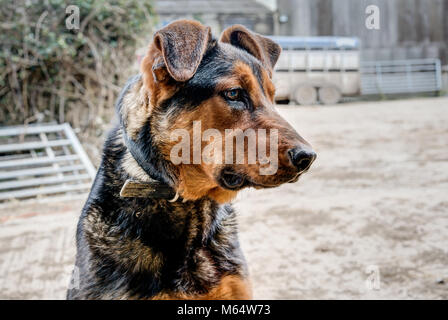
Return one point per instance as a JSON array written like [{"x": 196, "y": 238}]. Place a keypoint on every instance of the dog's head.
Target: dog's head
[{"x": 212, "y": 115}]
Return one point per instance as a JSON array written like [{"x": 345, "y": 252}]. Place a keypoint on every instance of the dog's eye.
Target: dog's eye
[
  {"x": 233, "y": 94},
  {"x": 237, "y": 98}
]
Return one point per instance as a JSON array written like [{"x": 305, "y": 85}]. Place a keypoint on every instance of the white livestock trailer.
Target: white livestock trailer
[{"x": 312, "y": 69}]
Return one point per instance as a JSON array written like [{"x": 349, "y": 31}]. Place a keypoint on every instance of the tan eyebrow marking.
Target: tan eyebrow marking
[{"x": 242, "y": 76}]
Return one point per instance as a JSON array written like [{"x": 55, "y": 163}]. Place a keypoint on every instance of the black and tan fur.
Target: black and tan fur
[{"x": 146, "y": 248}]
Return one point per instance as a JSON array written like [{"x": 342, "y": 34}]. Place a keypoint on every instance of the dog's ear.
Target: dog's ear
[
  {"x": 262, "y": 48},
  {"x": 182, "y": 45}
]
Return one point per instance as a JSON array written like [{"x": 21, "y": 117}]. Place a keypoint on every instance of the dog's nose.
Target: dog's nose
[{"x": 301, "y": 158}]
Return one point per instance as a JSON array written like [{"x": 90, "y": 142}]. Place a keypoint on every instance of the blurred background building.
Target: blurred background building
[
  {"x": 219, "y": 14},
  {"x": 409, "y": 29}
]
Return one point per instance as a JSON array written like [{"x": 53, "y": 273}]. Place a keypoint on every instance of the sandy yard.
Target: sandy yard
[{"x": 370, "y": 220}]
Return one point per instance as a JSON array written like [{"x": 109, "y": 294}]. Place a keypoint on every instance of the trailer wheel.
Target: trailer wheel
[
  {"x": 329, "y": 95},
  {"x": 306, "y": 95}
]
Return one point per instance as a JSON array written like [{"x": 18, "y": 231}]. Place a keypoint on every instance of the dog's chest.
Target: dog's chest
[{"x": 153, "y": 253}]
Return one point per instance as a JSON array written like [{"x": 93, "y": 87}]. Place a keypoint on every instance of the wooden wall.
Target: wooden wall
[{"x": 409, "y": 28}]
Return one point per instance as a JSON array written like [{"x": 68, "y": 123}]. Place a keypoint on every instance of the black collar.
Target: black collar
[{"x": 144, "y": 189}]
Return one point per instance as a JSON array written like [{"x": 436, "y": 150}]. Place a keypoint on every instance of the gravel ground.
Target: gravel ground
[{"x": 369, "y": 221}]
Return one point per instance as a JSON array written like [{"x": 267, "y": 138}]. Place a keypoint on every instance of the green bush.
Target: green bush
[{"x": 48, "y": 72}]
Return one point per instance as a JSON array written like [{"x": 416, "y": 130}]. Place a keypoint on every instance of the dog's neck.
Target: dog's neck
[
  {"x": 148, "y": 170},
  {"x": 150, "y": 209},
  {"x": 135, "y": 128},
  {"x": 146, "y": 181},
  {"x": 143, "y": 181}
]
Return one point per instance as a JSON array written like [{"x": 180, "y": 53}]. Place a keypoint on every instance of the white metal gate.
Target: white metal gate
[
  {"x": 40, "y": 160},
  {"x": 401, "y": 76}
]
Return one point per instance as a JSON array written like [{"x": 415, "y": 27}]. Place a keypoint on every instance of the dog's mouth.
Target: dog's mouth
[{"x": 232, "y": 180}]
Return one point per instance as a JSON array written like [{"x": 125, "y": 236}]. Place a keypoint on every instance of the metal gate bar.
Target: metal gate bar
[
  {"x": 39, "y": 160},
  {"x": 401, "y": 76}
]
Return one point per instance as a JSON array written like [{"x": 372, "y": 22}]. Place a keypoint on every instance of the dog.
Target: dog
[{"x": 153, "y": 229}]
